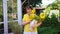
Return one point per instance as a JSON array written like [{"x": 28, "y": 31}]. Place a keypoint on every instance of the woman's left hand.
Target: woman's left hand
[
  {"x": 36, "y": 25},
  {"x": 33, "y": 26}
]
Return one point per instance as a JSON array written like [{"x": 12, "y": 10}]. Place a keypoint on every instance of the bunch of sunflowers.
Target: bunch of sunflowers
[
  {"x": 40, "y": 18},
  {"x": 36, "y": 18}
]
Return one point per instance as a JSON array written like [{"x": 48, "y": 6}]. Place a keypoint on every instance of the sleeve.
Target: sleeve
[{"x": 24, "y": 17}]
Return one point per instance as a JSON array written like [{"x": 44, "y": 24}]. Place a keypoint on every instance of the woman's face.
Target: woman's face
[{"x": 28, "y": 10}]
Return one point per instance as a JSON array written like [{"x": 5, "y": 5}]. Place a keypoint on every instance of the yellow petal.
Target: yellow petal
[
  {"x": 42, "y": 16},
  {"x": 33, "y": 11}
]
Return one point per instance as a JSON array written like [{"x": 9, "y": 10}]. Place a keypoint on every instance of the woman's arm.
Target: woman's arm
[
  {"x": 36, "y": 25},
  {"x": 25, "y": 22}
]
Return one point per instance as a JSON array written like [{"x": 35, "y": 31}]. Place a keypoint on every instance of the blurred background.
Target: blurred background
[{"x": 51, "y": 24}]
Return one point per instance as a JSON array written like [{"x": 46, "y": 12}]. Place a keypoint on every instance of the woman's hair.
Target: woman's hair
[{"x": 28, "y": 7}]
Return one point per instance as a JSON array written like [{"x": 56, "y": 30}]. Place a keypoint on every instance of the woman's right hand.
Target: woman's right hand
[{"x": 26, "y": 22}]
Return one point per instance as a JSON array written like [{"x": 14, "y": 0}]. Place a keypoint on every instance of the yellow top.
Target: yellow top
[{"x": 26, "y": 17}]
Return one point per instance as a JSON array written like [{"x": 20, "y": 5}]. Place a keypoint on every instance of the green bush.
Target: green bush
[
  {"x": 49, "y": 26},
  {"x": 47, "y": 30},
  {"x": 15, "y": 27}
]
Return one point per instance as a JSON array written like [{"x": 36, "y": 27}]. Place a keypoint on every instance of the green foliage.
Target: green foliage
[
  {"x": 1, "y": 14},
  {"x": 47, "y": 30},
  {"x": 47, "y": 10},
  {"x": 55, "y": 5},
  {"x": 1, "y": 17},
  {"x": 53, "y": 21},
  {"x": 9, "y": 9},
  {"x": 15, "y": 27},
  {"x": 0, "y": 2},
  {"x": 49, "y": 26},
  {"x": 33, "y": 3}
]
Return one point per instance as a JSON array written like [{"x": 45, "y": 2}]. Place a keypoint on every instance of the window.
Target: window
[{"x": 12, "y": 16}]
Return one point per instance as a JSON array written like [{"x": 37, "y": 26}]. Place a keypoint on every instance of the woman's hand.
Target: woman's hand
[
  {"x": 36, "y": 25},
  {"x": 25, "y": 22},
  {"x": 33, "y": 26}
]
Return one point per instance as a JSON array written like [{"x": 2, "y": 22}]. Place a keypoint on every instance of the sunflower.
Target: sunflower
[
  {"x": 42, "y": 16},
  {"x": 33, "y": 11}
]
